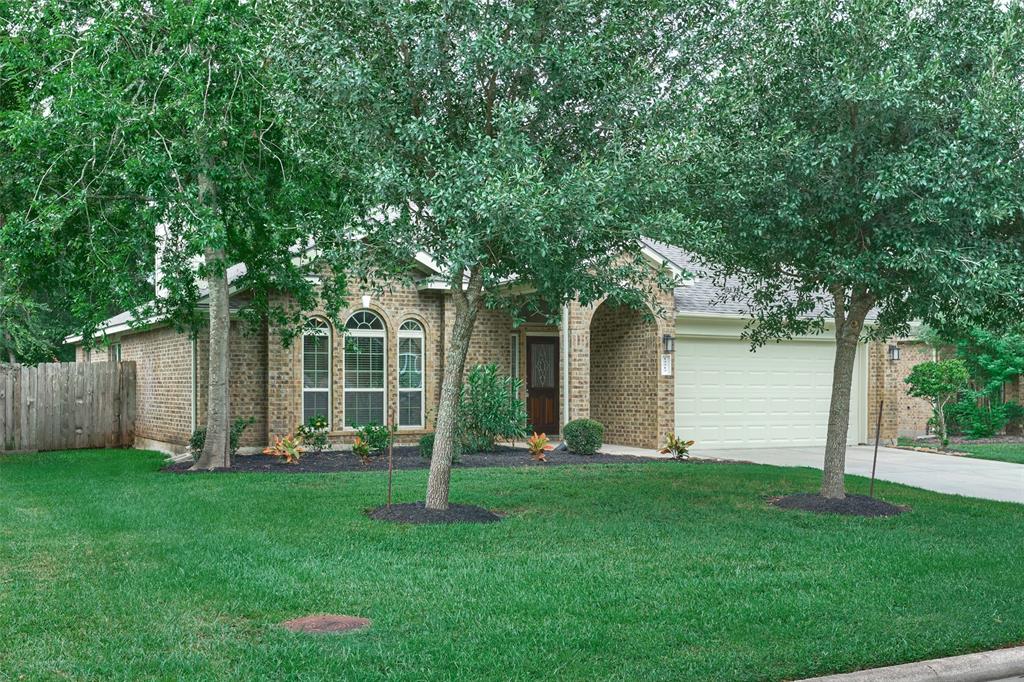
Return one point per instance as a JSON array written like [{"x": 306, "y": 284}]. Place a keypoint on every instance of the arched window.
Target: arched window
[
  {"x": 316, "y": 371},
  {"x": 365, "y": 363},
  {"x": 410, "y": 374}
]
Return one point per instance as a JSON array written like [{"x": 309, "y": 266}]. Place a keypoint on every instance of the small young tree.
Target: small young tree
[
  {"x": 838, "y": 158},
  {"x": 938, "y": 382},
  {"x": 499, "y": 137}
]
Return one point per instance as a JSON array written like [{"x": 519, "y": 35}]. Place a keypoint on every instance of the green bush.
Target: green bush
[
  {"x": 427, "y": 447},
  {"x": 314, "y": 433},
  {"x": 489, "y": 409},
  {"x": 979, "y": 418},
  {"x": 377, "y": 437},
  {"x": 198, "y": 439},
  {"x": 583, "y": 436}
]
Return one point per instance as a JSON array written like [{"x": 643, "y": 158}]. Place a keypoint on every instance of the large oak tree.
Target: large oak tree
[
  {"x": 143, "y": 115},
  {"x": 844, "y": 157},
  {"x": 500, "y": 137}
]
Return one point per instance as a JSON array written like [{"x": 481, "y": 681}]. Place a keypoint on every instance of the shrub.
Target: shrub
[
  {"x": 427, "y": 447},
  {"x": 1014, "y": 418},
  {"x": 489, "y": 409},
  {"x": 198, "y": 439},
  {"x": 538, "y": 445},
  {"x": 314, "y": 433},
  {"x": 939, "y": 383},
  {"x": 677, "y": 447},
  {"x": 977, "y": 417},
  {"x": 361, "y": 449},
  {"x": 583, "y": 436},
  {"x": 376, "y": 437},
  {"x": 289, "y": 448}
]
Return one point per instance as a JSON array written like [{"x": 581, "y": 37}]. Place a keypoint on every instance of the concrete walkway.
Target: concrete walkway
[{"x": 982, "y": 478}]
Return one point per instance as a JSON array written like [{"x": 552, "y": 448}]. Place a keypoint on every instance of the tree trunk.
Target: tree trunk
[
  {"x": 849, "y": 324},
  {"x": 216, "y": 451},
  {"x": 467, "y": 304},
  {"x": 9, "y": 342},
  {"x": 940, "y": 414}
]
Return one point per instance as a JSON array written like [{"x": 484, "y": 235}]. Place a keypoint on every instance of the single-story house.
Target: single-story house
[{"x": 688, "y": 371}]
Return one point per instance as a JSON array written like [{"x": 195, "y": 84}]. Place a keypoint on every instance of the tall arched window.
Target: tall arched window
[
  {"x": 365, "y": 369},
  {"x": 410, "y": 374},
  {"x": 316, "y": 371}
]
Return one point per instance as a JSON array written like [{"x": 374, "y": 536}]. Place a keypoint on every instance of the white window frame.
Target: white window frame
[
  {"x": 322, "y": 328},
  {"x": 381, "y": 333},
  {"x": 513, "y": 355},
  {"x": 115, "y": 352},
  {"x": 420, "y": 334}
]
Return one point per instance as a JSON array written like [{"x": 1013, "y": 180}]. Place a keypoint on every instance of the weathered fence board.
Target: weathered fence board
[{"x": 67, "y": 405}]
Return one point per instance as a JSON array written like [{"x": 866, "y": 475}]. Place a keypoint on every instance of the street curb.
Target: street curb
[{"x": 981, "y": 667}]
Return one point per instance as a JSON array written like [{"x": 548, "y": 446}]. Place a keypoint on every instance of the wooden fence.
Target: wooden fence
[{"x": 67, "y": 405}]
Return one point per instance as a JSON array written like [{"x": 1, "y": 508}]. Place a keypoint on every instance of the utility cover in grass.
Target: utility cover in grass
[
  {"x": 326, "y": 622},
  {"x": 851, "y": 505},
  {"x": 417, "y": 512}
]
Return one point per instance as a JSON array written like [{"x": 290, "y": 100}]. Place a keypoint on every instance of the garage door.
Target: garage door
[{"x": 728, "y": 397}]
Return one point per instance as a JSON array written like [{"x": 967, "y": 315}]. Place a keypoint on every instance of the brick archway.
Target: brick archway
[{"x": 624, "y": 375}]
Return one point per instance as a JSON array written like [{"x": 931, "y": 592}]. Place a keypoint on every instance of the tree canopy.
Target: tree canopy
[
  {"x": 840, "y": 158},
  {"x": 139, "y": 116},
  {"x": 502, "y": 138}
]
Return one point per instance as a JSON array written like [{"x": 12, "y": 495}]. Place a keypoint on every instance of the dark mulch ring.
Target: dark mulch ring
[
  {"x": 417, "y": 512},
  {"x": 406, "y": 457},
  {"x": 851, "y": 505},
  {"x": 325, "y": 623}
]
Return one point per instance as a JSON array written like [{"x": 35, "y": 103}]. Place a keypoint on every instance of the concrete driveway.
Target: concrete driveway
[{"x": 942, "y": 473}]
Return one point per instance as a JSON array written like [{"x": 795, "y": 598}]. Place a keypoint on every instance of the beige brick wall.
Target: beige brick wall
[
  {"x": 394, "y": 306},
  {"x": 163, "y": 366},
  {"x": 597, "y": 389},
  {"x": 266, "y": 376},
  {"x": 247, "y": 388},
  {"x": 623, "y": 376},
  {"x": 914, "y": 413}
]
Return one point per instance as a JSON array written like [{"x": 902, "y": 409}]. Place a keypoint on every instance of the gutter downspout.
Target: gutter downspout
[{"x": 565, "y": 366}]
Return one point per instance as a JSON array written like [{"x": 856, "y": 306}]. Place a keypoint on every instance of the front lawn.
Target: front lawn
[
  {"x": 1004, "y": 452},
  {"x": 1007, "y": 451},
  {"x": 111, "y": 570}
]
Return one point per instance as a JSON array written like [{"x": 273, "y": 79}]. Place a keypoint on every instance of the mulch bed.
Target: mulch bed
[
  {"x": 405, "y": 457},
  {"x": 417, "y": 512},
  {"x": 851, "y": 505},
  {"x": 326, "y": 623}
]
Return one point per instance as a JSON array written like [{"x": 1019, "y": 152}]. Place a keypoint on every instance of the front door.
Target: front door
[{"x": 542, "y": 383}]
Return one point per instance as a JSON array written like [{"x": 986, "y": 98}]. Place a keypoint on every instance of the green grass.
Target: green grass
[
  {"x": 112, "y": 571},
  {"x": 1003, "y": 452}
]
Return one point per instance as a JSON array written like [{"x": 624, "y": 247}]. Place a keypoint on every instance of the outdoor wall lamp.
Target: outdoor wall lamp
[
  {"x": 668, "y": 342},
  {"x": 894, "y": 353}
]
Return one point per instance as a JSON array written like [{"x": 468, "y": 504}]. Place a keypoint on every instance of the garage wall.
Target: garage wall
[{"x": 727, "y": 397}]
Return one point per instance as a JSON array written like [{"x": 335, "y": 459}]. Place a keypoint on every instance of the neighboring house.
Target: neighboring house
[{"x": 687, "y": 371}]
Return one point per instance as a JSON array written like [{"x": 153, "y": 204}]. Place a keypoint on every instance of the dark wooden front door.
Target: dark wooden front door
[{"x": 542, "y": 383}]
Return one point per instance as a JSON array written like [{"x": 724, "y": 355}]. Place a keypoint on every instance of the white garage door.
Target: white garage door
[{"x": 728, "y": 397}]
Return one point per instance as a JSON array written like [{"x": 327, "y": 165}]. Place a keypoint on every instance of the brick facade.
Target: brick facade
[
  {"x": 914, "y": 413},
  {"x": 623, "y": 372},
  {"x": 163, "y": 366}
]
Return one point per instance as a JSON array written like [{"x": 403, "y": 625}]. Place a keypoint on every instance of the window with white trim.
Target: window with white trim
[
  {"x": 513, "y": 355},
  {"x": 365, "y": 363},
  {"x": 316, "y": 371},
  {"x": 114, "y": 353},
  {"x": 410, "y": 374}
]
